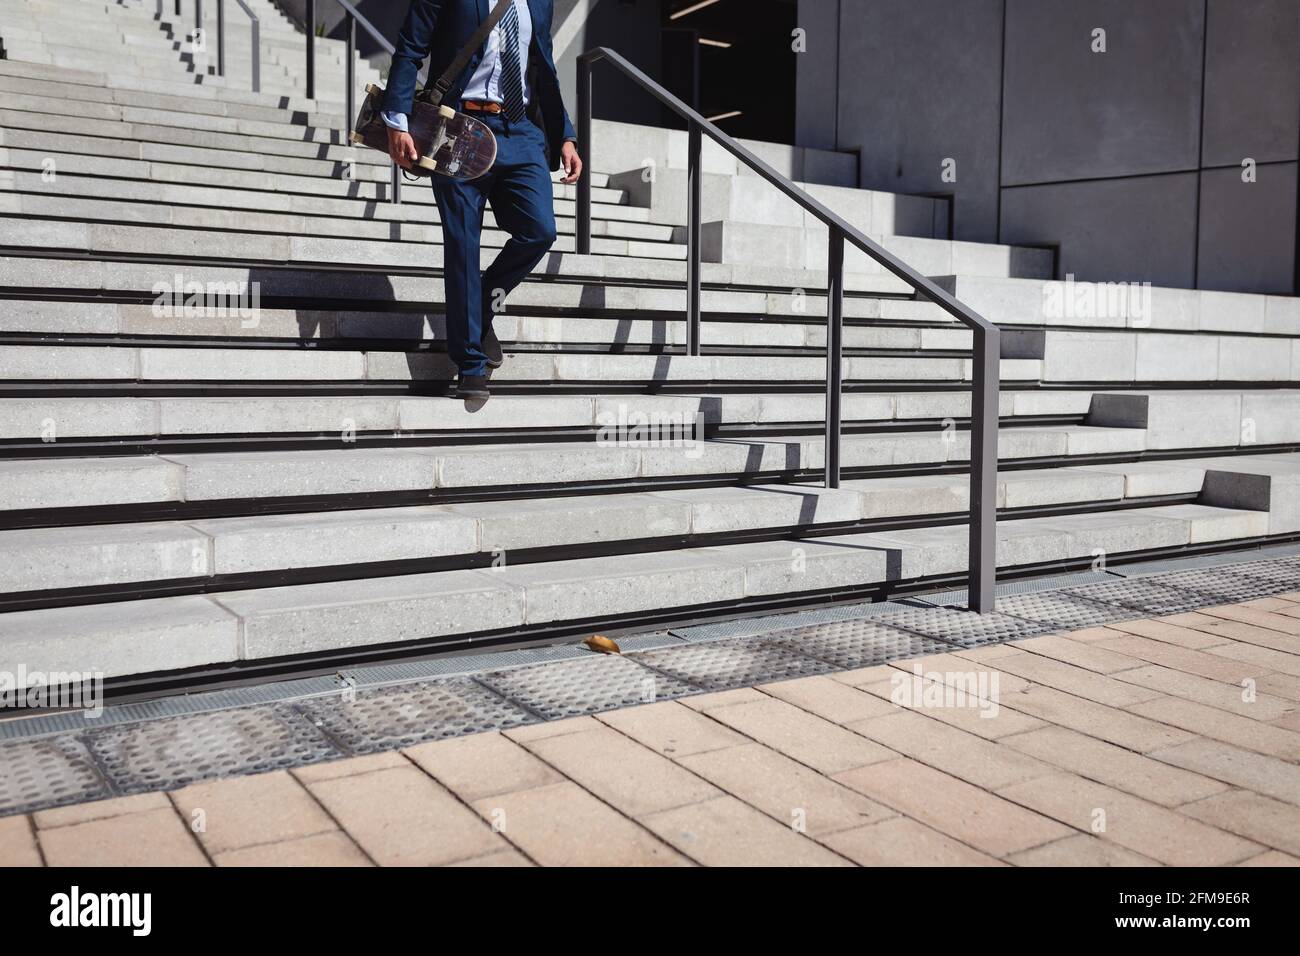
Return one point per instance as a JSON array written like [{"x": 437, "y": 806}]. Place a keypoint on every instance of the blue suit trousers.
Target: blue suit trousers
[{"x": 519, "y": 188}]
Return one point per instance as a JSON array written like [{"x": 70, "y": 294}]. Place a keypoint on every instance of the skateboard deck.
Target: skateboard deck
[{"x": 450, "y": 144}]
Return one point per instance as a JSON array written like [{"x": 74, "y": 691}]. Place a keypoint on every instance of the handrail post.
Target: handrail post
[
  {"x": 582, "y": 214},
  {"x": 257, "y": 55},
  {"x": 694, "y": 175},
  {"x": 351, "y": 71},
  {"x": 221, "y": 37},
  {"x": 834, "y": 356},
  {"x": 981, "y": 594},
  {"x": 311, "y": 49},
  {"x": 396, "y": 184},
  {"x": 198, "y": 18}
]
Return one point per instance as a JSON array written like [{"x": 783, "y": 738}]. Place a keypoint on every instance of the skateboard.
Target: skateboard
[{"x": 450, "y": 144}]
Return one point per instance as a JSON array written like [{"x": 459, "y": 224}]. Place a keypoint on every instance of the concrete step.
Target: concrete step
[
  {"x": 164, "y": 46},
  {"x": 621, "y": 147},
  {"x": 370, "y": 184},
  {"x": 620, "y": 456},
  {"x": 84, "y": 136},
  {"x": 57, "y": 419},
  {"x": 606, "y": 240},
  {"x": 62, "y": 20},
  {"x": 208, "y": 89},
  {"x": 247, "y": 194},
  {"x": 372, "y": 286},
  {"x": 629, "y": 259},
  {"x": 804, "y": 247},
  {"x": 140, "y": 201},
  {"x": 1101, "y": 305},
  {"x": 532, "y": 332},
  {"x": 110, "y": 239},
  {"x": 96, "y": 556},
  {"x": 1219, "y": 418},
  {"x": 741, "y": 199},
  {"x": 175, "y": 101},
  {"x": 47, "y": 363},
  {"x": 319, "y": 127},
  {"x": 189, "y": 631},
  {"x": 1136, "y": 355}
]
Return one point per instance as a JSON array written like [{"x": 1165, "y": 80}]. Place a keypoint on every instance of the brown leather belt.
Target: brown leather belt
[{"x": 481, "y": 106}]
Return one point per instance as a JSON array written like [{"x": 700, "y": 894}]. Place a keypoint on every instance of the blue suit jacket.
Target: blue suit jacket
[{"x": 437, "y": 29}]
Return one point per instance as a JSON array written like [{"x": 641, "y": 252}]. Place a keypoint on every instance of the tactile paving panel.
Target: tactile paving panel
[
  {"x": 1063, "y": 612},
  {"x": 47, "y": 773},
  {"x": 1286, "y": 574},
  {"x": 388, "y": 718},
  {"x": 861, "y": 643},
  {"x": 1141, "y": 594},
  {"x": 721, "y": 665},
  {"x": 961, "y": 627},
  {"x": 1224, "y": 586},
  {"x": 586, "y": 685},
  {"x": 752, "y": 626},
  {"x": 163, "y": 754}
]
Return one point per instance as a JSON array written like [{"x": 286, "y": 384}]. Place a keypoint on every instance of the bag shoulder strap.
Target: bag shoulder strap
[{"x": 444, "y": 82}]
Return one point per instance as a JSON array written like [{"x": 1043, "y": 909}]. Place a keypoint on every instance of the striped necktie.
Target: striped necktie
[{"x": 512, "y": 83}]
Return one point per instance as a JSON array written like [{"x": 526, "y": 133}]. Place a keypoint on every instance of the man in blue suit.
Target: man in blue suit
[{"x": 510, "y": 84}]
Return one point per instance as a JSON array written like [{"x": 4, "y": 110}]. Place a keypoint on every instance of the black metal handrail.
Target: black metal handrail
[
  {"x": 256, "y": 38},
  {"x": 986, "y": 344},
  {"x": 352, "y": 17}
]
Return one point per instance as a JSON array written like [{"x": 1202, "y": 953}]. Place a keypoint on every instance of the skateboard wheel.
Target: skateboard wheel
[
  {"x": 446, "y": 112},
  {"x": 426, "y": 163}
]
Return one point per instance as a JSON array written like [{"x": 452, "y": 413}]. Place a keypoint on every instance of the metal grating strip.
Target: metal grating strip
[
  {"x": 751, "y": 626},
  {"x": 1222, "y": 585},
  {"x": 48, "y": 773},
  {"x": 165, "y": 754},
  {"x": 853, "y": 644},
  {"x": 1063, "y": 612},
  {"x": 1145, "y": 595},
  {"x": 1026, "y": 586},
  {"x": 960, "y": 627},
  {"x": 389, "y": 718},
  {"x": 721, "y": 665},
  {"x": 586, "y": 685}
]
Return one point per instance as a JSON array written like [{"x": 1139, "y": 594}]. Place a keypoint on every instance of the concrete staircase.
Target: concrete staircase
[
  {"x": 142, "y": 39},
  {"x": 191, "y": 482}
]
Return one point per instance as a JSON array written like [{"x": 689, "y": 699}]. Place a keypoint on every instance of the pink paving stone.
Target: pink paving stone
[
  {"x": 901, "y": 841},
  {"x": 321, "y": 849},
  {"x": 727, "y": 832},
  {"x": 564, "y": 825},
  {"x": 964, "y": 812},
  {"x": 99, "y": 809},
  {"x": 150, "y": 838},
  {"x": 18, "y": 842},
  {"x": 244, "y": 811}
]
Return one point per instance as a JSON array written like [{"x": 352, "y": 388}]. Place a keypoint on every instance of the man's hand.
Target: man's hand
[
  {"x": 401, "y": 148},
  {"x": 571, "y": 162}
]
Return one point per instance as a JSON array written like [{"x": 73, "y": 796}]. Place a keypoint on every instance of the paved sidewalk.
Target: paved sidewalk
[{"x": 1172, "y": 741}]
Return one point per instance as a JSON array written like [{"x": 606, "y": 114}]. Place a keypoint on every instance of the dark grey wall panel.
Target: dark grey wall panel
[
  {"x": 631, "y": 28},
  {"x": 817, "y": 74},
  {"x": 1138, "y": 229},
  {"x": 1071, "y": 113},
  {"x": 1252, "y": 94},
  {"x": 1248, "y": 230},
  {"x": 919, "y": 83}
]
